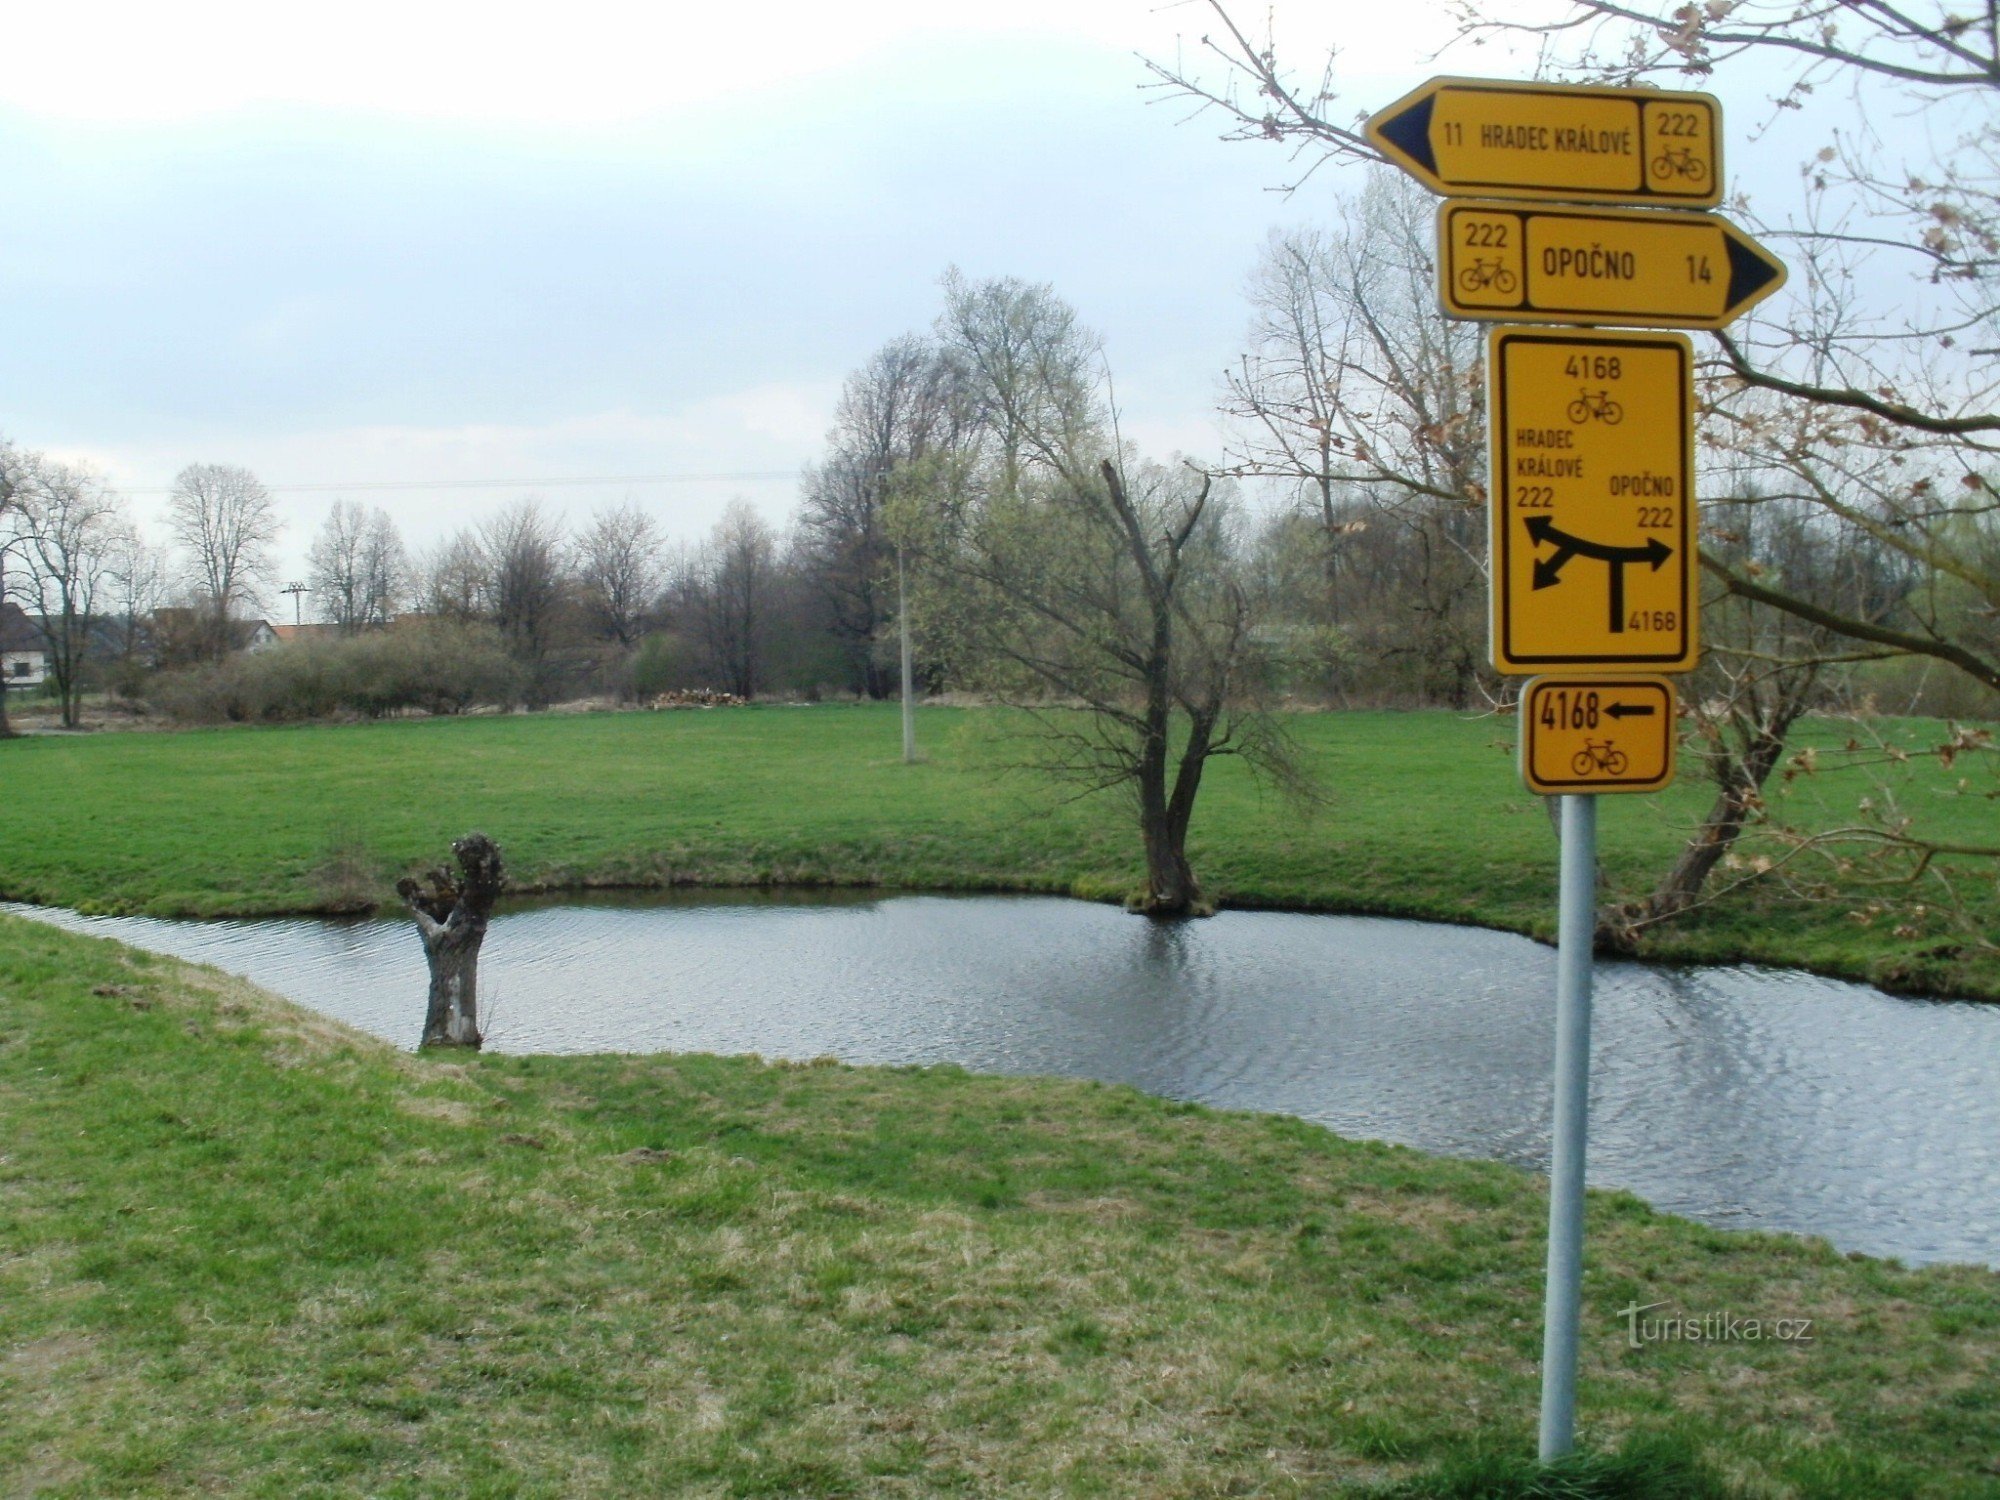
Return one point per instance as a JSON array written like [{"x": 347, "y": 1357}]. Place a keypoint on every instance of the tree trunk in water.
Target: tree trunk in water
[
  {"x": 451, "y": 918},
  {"x": 1171, "y": 889}
]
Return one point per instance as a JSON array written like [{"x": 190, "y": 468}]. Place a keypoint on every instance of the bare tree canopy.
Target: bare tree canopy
[
  {"x": 451, "y": 579},
  {"x": 226, "y": 525},
  {"x": 1104, "y": 596},
  {"x": 905, "y": 405},
  {"x": 525, "y": 578},
  {"x": 359, "y": 569},
  {"x": 1371, "y": 409},
  {"x": 69, "y": 527},
  {"x": 725, "y": 595},
  {"x": 619, "y": 559}
]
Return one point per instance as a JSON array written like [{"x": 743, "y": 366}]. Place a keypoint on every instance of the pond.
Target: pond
[{"x": 1742, "y": 1097}]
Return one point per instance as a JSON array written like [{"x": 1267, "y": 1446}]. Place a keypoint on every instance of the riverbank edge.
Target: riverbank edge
[{"x": 1895, "y": 975}]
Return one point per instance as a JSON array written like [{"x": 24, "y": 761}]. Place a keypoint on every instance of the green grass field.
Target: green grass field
[
  {"x": 245, "y": 1251},
  {"x": 1424, "y": 816}
]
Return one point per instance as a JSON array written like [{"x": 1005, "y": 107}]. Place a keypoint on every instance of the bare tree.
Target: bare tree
[
  {"x": 619, "y": 566},
  {"x": 904, "y": 405},
  {"x": 70, "y": 525},
  {"x": 1355, "y": 393},
  {"x": 224, "y": 520},
  {"x": 1102, "y": 596},
  {"x": 359, "y": 567},
  {"x": 524, "y": 584},
  {"x": 137, "y": 587},
  {"x": 452, "y": 579},
  {"x": 727, "y": 597}
]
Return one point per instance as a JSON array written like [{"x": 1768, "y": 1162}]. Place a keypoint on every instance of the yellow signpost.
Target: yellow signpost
[
  {"x": 1592, "y": 505},
  {"x": 1582, "y": 735},
  {"x": 1575, "y": 143},
  {"x": 1603, "y": 265}
]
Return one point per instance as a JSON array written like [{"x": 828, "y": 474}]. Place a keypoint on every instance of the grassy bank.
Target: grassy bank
[
  {"x": 1425, "y": 817},
  {"x": 246, "y": 1251}
]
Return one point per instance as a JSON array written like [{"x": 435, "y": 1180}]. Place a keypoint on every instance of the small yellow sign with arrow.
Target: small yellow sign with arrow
[
  {"x": 1596, "y": 266},
  {"x": 1597, "y": 734},
  {"x": 1557, "y": 141}
]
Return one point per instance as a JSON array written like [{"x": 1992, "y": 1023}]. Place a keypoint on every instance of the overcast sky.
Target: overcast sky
[{"x": 424, "y": 246}]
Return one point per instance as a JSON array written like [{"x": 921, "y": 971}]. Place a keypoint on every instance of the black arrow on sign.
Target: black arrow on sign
[
  {"x": 1630, "y": 710},
  {"x": 1548, "y": 570}
]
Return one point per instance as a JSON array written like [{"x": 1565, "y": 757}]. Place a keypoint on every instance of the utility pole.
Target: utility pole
[{"x": 297, "y": 591}]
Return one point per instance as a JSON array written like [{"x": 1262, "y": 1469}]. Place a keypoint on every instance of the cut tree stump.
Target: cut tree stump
[{"x": 451, "y": 918}]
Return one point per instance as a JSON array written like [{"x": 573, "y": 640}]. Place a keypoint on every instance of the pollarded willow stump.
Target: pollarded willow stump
[{"x": 451, "y": 918}]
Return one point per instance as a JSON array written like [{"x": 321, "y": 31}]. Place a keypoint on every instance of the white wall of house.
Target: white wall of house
[{"x": 23, "y": 669}]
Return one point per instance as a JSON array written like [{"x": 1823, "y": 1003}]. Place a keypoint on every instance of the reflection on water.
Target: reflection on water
[{"x": 1742, "y": 1097}]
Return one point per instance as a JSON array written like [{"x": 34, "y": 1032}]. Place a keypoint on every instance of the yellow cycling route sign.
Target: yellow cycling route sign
[
  {"x": 1581, "y": 735},
  {"x": 1576, "y": 143},
  {"x": 1606, "y": 265},
  {"x": 1592, "y": 503}
]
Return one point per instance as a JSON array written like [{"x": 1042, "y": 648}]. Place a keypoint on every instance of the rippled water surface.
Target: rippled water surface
[{"x": 1743, "y": 1097}]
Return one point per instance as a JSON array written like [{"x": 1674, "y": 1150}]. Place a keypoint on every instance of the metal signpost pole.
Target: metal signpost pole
[{"x": 1576, "y": 921}]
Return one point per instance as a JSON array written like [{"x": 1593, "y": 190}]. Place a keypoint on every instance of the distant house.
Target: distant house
[
  {"x": 180, "y": 635},
  {"x": 23, "y": 661}
]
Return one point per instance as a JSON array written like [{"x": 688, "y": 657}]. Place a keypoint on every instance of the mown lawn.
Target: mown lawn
[
  {"x": 245, "y": 1251},
  {"x": 1423, "y": 816}
]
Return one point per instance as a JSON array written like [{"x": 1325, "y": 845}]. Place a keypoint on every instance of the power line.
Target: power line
[{"x": 377, "y": 485}]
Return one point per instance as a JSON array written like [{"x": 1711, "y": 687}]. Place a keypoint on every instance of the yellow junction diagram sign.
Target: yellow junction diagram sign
[
  {"x": 1558, "y": 142},
  {"x": 1597, "y": 734},
  {"x": 1592, "y": 509},
  {"x": 1604, "y": 265}
]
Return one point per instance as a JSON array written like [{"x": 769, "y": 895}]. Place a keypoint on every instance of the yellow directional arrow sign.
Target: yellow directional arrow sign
[
  {"x": 1581, "y": 735},
  {"x": 1598, "y": 265},
  {"x": 1556, "y": 141},
  {"x": 1592, "y": 505}
]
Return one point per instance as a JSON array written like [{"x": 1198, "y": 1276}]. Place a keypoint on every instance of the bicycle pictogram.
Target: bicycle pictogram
[
  {"x": 1679, "y": 161},
  {"x": 1482, "y": 274},
  {"x": 1598, "y": 405},
  {"x": 1597, "y": 755}
]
